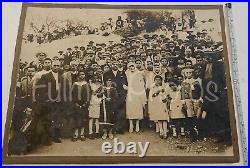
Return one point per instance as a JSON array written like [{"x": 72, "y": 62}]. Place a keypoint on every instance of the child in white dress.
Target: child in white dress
[
  {"x": 157, "y": 107},
  {"x": 176, "y": 112},
  {"x": 95, "y": 107}
]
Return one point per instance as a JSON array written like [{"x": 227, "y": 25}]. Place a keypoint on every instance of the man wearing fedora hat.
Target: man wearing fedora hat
[{"x": 77, "y": 52}]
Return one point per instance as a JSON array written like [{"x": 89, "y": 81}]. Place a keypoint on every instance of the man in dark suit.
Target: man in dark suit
[
  {"x": 68, "y": 56},
  {"x": 68, "y": 78},
  {"x": 215, "y": 99},
  {"x": 49, "y": 94},
  {"x": 119, "y": 79},
  {"x": 76, "y": 52}
]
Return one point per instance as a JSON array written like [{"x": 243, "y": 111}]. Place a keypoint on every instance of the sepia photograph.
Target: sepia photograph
[{"x": 121, "y": 84}]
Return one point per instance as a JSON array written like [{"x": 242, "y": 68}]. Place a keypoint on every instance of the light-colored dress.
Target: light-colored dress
[
  {"x": 95, "y": 102},
  {"x": 186, "y": 91},
  {"x": 136, "y": 96},
  {"x": 176, "y": 105},
  {"x": 156, "y": 107},
  {"x": 150, "y": 78}
]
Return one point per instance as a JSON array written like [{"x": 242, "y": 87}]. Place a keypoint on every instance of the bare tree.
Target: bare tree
[
  {"x": 50, "y": 23},
  {"x": 34, "y": 27}
]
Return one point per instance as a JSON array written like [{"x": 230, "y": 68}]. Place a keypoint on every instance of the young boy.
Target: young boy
[
  {"x": 188, "y": 87},
  {"x": 81, "y": 98},
  {"x": 110, "y": 95}
]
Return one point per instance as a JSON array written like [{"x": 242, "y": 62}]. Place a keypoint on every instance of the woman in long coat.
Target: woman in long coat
[{"x": 136, "y": 97}]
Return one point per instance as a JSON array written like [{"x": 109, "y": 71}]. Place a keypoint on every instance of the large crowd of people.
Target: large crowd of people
[
  {"x": 43, "y": 35},
  {"x": 58, "y": 32},
  {"x": 166, "y": 84}
]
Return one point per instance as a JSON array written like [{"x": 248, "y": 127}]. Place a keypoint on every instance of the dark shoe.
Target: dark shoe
[
  {"x": 91, "y": 136},
  {"x": 57, "y": 140},
  {"x": 74, "y": 139},
  {"x": 97, "y": 135},
  {"x": 47, "y": 143},
  {"x": 219, "y": 140},
  {"x": 120, "y": 132}
]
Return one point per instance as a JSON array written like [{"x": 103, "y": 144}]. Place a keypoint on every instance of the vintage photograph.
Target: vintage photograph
[{"x": 132, "y": 82}]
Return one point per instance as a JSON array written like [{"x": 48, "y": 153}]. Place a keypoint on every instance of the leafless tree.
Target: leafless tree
[{"x": 50, "y": 23}]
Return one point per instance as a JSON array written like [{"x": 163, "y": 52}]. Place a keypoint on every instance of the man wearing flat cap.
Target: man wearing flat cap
[
  {"x": 60, "y": 53},
  {"x": 77, "y": 52},
  {"x": 83, "y": 52},
  {"x": 68, "y": 55},
  {"x": 68, "y": 78},
  {"x": 90, "y": 54},
  {"x": 91, "y": 43},
  {"x": 172, "y": 48},
  {"x": 40, "y": 59}
]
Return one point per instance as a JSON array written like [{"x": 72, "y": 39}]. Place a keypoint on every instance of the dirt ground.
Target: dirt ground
[{"x": 180, "y": 146}]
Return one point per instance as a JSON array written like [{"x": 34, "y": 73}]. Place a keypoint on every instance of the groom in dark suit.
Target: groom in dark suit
[
  {"x": 50, "y": 94},
  {"x": 119, "y": 80}
]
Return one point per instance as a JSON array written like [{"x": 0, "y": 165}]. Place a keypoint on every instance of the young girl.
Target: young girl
[
  {"x": 110, "y": 94},
  {"x": 94, "y": 107},
  {"x": 176, "y": 113},
  {"x": 157, "y": 107}
]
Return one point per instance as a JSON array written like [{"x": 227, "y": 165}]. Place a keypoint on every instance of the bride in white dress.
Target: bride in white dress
[{"x": 136, "y": 97}]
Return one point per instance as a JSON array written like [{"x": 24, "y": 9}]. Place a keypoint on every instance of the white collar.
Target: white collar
[
  {"x": 115, "y": 72},
  {"x": 81, "y": 83},
  {"x": 54, "y": 73}
]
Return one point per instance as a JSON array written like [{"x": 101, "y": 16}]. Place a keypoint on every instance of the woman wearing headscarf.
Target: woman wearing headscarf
[{"x": 136, "y": 97}]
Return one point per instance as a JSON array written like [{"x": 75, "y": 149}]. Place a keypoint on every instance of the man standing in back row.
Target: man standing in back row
[{"x": 120, "y": 81}]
